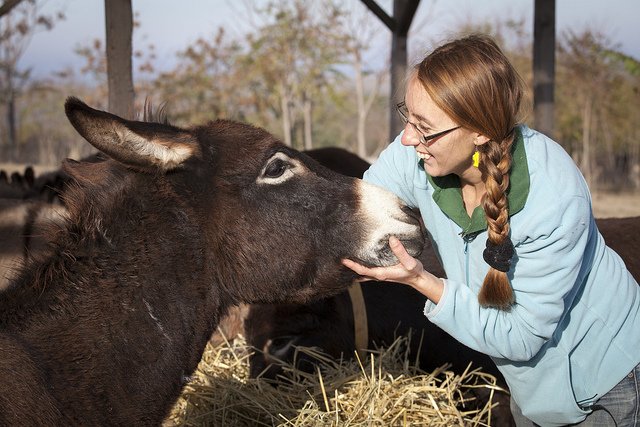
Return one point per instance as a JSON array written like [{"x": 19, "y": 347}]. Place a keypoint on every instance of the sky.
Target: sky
[{"x": 172, "y": 25}]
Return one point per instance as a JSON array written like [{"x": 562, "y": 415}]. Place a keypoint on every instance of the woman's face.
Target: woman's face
[{"x": 450, "y": 153}]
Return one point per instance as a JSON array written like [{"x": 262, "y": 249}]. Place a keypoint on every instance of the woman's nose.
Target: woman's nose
[{"x": 410, "y": 137}]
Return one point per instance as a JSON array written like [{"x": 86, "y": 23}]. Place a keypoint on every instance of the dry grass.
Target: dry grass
[{"x": 384, "y": 390}]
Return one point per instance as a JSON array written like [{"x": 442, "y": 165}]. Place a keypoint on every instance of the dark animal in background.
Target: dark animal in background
[
  {"x": 23, "y": 234},
  {"x": 27, "y": 204},
  {"x": 46, "y": 187},
  {"x": 11, "y": 185},
  {"x": 179, "y": 225},
  {"x": 623, "y": 236}
]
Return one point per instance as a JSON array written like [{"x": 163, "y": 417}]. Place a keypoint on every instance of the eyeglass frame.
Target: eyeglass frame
[{"x": 424, "y": 139}]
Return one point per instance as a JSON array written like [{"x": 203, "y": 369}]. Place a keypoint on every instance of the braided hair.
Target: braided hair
[{"x": 473, "y": 82}]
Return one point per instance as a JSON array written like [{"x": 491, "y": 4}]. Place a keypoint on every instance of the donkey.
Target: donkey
[{"x": 175, "y": 227}]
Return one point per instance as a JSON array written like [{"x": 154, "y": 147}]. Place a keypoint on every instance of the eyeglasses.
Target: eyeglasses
[{"x": 424, "y": 139}]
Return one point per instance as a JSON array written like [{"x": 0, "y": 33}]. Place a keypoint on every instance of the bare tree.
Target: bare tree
[
  {"x": 361, "y": 33},
  {"x": 18, "y": 23},
  {"x": 590, "y": 81},
  {"x": 291, "y": 60}
]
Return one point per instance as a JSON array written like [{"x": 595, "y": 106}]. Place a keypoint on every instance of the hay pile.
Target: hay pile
[{"x": 382, "y": 391}]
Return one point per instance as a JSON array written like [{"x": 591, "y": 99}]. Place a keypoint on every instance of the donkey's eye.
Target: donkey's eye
[
  {"x": 275, "y": 169},
  {"x": 279, "y": 169}
]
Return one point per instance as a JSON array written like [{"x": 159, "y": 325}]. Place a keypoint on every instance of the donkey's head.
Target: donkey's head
[{"x": 274, "y": 224}]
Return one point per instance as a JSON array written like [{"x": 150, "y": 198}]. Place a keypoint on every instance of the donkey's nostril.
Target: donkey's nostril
[{"x": 413, "y": 213}]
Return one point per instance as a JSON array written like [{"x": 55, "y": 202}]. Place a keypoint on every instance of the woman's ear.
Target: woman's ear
[{"x": 480, "y": 139}]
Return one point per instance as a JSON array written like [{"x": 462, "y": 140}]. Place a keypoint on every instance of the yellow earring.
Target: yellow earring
[{"x": 476, "y": 159}]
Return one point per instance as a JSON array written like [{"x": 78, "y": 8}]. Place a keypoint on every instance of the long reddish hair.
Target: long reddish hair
[{"x": 474, "y": 83}]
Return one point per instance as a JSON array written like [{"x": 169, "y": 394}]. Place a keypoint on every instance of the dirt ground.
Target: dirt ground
[{"x": 614, "y": 205}]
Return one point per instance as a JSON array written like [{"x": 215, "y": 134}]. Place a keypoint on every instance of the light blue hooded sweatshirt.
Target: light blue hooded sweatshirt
[{"x": 574, "y": 331}]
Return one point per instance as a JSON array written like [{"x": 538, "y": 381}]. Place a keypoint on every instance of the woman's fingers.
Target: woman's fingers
[
  {"x": 358, "y": 268},
  {"x": 408, "y": 262},
  {"x": 404, "y": 272},
  {"x": 365, "y": 273}
]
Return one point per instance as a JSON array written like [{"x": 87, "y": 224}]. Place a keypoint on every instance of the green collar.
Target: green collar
[{"x": 448, "y": 195}]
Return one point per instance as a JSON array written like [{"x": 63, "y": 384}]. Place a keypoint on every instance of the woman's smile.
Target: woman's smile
[{"x": 423, "y": 156}]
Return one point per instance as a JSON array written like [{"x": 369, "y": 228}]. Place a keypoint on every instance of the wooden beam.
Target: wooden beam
[
  {"x": 119, "y": 28},
  {"x": 406, "y": 17},
  {"x": 544, "y": 48},
  {"x": 381, "y": 14},
  {"x": 7, "y": 5},
  {"x": 403, "y": 13}
]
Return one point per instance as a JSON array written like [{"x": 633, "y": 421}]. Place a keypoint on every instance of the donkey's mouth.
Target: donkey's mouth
[{"x": 383, "y": 256}]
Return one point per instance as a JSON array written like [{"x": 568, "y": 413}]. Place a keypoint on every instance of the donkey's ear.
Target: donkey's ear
[{"x": 139, "y": 144}]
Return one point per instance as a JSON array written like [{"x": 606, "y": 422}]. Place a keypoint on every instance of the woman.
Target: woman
[{"x": 530, "y": 281}]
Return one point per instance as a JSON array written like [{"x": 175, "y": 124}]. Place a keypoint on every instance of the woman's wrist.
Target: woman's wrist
[{"x": 430, "y": 286}]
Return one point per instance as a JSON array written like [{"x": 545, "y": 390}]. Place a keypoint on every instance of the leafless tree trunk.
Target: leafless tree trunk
[
  {"x": 587, "y": 114},
  {"x": 119, "y": 29},
  {"x": 634, "y": 168},
  {"x": 8, "y": 60},
  {"x": 11, "y": 118},
  {"x": 364, "y": 104},
  {"x": 361, "y": 141},
  {"x": 285, "y": 99},
  {"x": 307, "y": 107}
]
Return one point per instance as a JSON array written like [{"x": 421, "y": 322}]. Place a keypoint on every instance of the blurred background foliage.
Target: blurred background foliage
[{"x": 300, "y": 73}]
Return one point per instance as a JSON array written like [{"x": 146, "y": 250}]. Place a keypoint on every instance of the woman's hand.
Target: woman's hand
[{"x": 408, "y": 271}]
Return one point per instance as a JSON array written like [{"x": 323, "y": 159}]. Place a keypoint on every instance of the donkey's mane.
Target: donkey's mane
[{"x": 149, "y": 115}]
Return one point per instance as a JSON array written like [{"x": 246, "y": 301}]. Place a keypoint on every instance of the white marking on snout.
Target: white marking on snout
[{"x": 385, "y": 217}]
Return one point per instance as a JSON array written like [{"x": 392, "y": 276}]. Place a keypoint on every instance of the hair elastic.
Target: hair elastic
[{"x": 499, "y": 256}]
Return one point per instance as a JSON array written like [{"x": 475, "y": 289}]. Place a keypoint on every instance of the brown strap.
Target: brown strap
[{"x": 361, "y": 328}]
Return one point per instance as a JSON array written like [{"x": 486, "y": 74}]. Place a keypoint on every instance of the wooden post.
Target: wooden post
[
  {"x": 544, "y": 48},
  {"x": 398, "y": 71},
  {"x": 119, "y": 29},
  {"x": 403, "y": 12}
]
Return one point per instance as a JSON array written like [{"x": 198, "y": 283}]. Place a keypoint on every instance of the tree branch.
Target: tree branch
[{"x": 7, "y": 6}]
